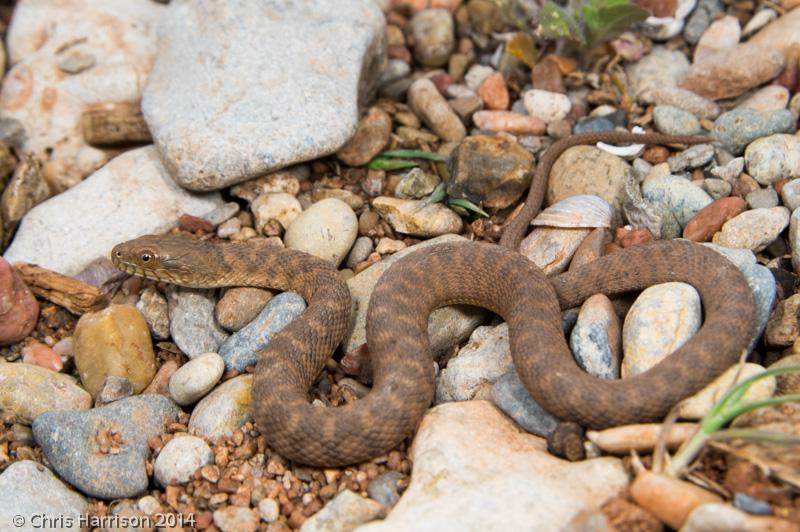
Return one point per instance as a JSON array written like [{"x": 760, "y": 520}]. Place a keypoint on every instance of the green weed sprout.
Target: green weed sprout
[{"x": 591, "y": 22}]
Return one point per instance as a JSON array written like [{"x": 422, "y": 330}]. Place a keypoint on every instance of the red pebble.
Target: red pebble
[
  {"x": 193, "y": 223},
  {"x": 19, "y": 310},
  {"x": 710, "y": 218},
  {"x": 629, "y": 237},
  {"x": 40, "y": 354},
  {"x": 494, "y": 93},
  {"x": 442, "y": 81}
]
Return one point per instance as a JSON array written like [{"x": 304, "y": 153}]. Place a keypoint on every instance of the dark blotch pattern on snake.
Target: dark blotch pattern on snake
[{"x": 481, "y": 274}]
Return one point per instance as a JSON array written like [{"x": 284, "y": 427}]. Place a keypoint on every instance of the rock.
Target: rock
[
  {"x": 472, "y": 372},
  {"x": 547, "y": 106},
  {"x": 434, "y": 36},
  {"x": 32, "y": 491},
  {"x": 733, "y": 71},
  {"x": 388, "y": 246},
  {"x": 192, "y": 324},
  {"x": 722, "y": 34},
  {"x": 384, "y": 488},
  {"x": 371, "y": 136},
  {"x": 119, "y": 39},
  {"x": 19, "y": 310},
  {"x": 754, "y": 229},
  {"x": 27, "y": 391},
  {"x": 416, "y": 184},
  {"x": 772, "y": 158},
  {"x": 711, "y": 218},
  {"x": 196, "y": 378},
  {"x": 675, "y": 121},
  {"x": 415, "y": 218},
  {"x": 738, "y": 128},
  {"x": 431, "y": 107},
  {"x": 766, "y": 99},
  {"x": 476, "y": 75},
  {"x": 224, "y": 410},
  {"x": 763, "y": 198},
  {"x": 231, "y": 60},
  {"x": 717, "y": 188},
  {"x": 659, "y": 69},
  {"x": 114, "y": 341},
  {"x": 446, "y": 326},
  {"x": 593, "y": 124},
  {"x": 661, "y": 320},
  {"x": 698, "y": 405},
  {"x": 327, "y": 230},
  {"x": 287, "y": 181},
  {"x": 83, "y": 447},
  {"x": 61, "y": 234},
  {"x": 783, "y": 327},
  {"x": 794, "y": 239},
  {"x": 489, "y": 171},
  {"x": 552, "y": 248},
  {"x": 160, "y": 383},
  {"x": 468, "y": 458},
  {"x": 788, "y": 383},
  {"x": 510, "y": 396},
  {"x": 589, "y": 170},
  {"x": 353, "y": 200},
  {"x": 693, "y": 157},
  {"x": 729, "y": 171},
  {"x": 240, "y": 305},
  {"x": 268, "y": 510},
  {"x": 155, "y": 310},
  {"x": 595, "y": 340},
  {"x": 790, "y": 194},
  {"x": 702, "y": 108},
  {"x": 113, "y": 389},
  {"x": 180, "y": 458},
  {"x": 509, "y": 122},
  {"x": 278, "y": 206},
  {"x": 344, "y": 512},
  {"x": 236, "y": 519},
  {"x": 781, "y": 34},
  {"x": 39, "y": 354},
  {"x": 222, "y": 214},
  {"x": 718, "y": 516},
  {"x": 494, "y": 93},
  {"x": 360, "y": 251},
  {"x": 241, "y": 348},
  {"x": 683, "y": 199}
]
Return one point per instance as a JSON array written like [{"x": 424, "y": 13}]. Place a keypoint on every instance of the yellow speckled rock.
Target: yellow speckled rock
[
  {"x": 115, "y": 341},
  {"x": 27, "y": 391}
]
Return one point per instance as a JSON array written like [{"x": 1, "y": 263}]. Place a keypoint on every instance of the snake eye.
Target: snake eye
[
  {"x": 146, "y": 257},
  {"x": 118, "y": 254}
]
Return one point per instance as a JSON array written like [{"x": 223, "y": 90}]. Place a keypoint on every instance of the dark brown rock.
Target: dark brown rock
[{"x": 369, "y": 139}]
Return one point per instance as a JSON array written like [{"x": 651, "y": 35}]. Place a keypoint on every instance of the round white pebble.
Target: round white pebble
[
  {"x": 327, "y": 230},
  {"x": 192, "y": 381},
  {"x": 269, "y": 510},
  {"x": 180, "y": 458}
]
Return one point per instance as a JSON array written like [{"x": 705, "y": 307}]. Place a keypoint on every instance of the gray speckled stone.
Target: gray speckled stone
[
  {"x": 180, "y": 458},
  {"x": 738, "y": 128},
  {"x": 763, "y": 198},
  {"x": 686, "y": 100},
  {"x": 674, "y": 121},
  {"x": 192, "y": 325},
  {"x": 384, "y": 488},
  {"x": 595, "y": 340},
  {"x": 30, "y": 489},
  {"x": 790, "y": 194},
  {"x": 692, "y": 157},
  {"x": 658, "y": 69},
  {"x": 266, "y": 98},
  {"x": 772, "y": 158},
  {"x": 679, "y": 195},
  {"x": 70, "y": 441},
  {"x": 698, "y": 21},
  {"x": 510, "y": 396},
  {"x": 241, "y": 348}
]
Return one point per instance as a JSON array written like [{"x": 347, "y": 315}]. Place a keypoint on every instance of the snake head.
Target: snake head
[{"x": 166, "y": 258}]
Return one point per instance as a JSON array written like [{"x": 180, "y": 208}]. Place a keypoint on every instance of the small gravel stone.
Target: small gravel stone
[
  {"x": 675, "y": 121},
  {"x": 683, "y": 199},
  {"x": 595, "y": 340},
  {"x": 155, "y": 310},
  {"x": 711, "y": 218},
  {"x": 434, "y": 36},
  {"x": 241, "y": 348},
  {"x": 722, "y": 34},
  {"x": 388, "y": 246},
  {"x": 113, "y": 389},
  {"x": 547, "y": 106},
  {"x": 224, "y": 410},
  {"x": 414, "y": 218},
  {"x": 229, "y": 228},
  {"x": 416, "y": 184},
  {"x": 361, "y": 250},
  {"x": 552, "y": 248},
  {"x": 766, "y": 99},
  {"x": 754, "y": 229},
  {"x": 431, "y": 107},
  {"x": 774, "y": 157},
  {"x": 20, "y": 310},
  {"x": 371, "y": 135},
  {"x": 180, "y": 458},
  {"x": 327, "y": 230},
  {"x": 275, "y": 206},
  {"x": 510, "y": 396},
  {"x": 662, "y": 319},
  {"x": 84, "y": 447},
  {"x": 729, "y": 171},
  {"x": 702, "y": 108},
  {"x": 719, "y": 516},
  {"x": 196, "y": 378},
  {"x": 790, "y": 194},
  {"x": 192, "y": 325},
  {"x": 346, "y": 511},
  {"x": 476, "y": 75},
  {"x": 509, "y": 122},
  {"x": 269, "y": 510},
  {"x": 693, "y": 157},
  {"x": 236, "y": 519},
  {"x": 594, "y": 124},
  {"x": 240, "y": 305},
  {"x": 783, "y": 327},
  {"x": 794, "y": 239},
  {"x": 384, "y": 488},
  {"x": 494, "y": 93},
  {"x": 221, "y": 214},
  {"x": 698, "y": 405},
  {"x": 659, "y": 69},
  {"x": 763, "y": 198},
  {"x": 738, "y": 128},
  {"x": 717, "y": 188}
]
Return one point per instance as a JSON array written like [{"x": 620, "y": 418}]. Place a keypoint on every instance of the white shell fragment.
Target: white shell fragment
[
  {"x": 583, "y": 210},
  {"x": 631, "y": 151}
]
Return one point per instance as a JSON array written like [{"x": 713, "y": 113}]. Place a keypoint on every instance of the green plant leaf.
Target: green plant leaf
[
  {"x": 556, "y": 22},
  {"x": 390, "y": 164},
  {"x": 611, "y": 19},
  {"x": 466, "y": 205},
  {"x": 438, "y": 194},
  {"x": 414, "y": 154}
]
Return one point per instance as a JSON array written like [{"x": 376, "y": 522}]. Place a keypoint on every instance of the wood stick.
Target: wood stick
[
  {"x": 75, "y": 296},
  {"x": 112, "y": 124}
]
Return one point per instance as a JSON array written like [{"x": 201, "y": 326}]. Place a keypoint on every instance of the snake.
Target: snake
[{"x": 484, "y": 274}]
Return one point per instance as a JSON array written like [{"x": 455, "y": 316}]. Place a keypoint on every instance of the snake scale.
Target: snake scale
[{"x": 482, "y": 274}]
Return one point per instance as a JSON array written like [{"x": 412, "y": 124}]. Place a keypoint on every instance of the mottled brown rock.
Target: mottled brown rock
[
  {"x": 493, "y": 92},
  {"x": 783, "y": 326},
  {"x": 712, "y": 217},
  {"x": 731, "y": 72},
  {"x": 26, "y": 189},
  {"x": 489, "y": 171},
  {"x": 781, "y": 34},
  {"x": 19, "y": 310},
  {"x": 371, "y": 136},
  {"x": 240, "y": 305}
]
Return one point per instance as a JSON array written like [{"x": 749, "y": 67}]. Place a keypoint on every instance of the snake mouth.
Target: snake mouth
[{"x": 138, "y": 271}]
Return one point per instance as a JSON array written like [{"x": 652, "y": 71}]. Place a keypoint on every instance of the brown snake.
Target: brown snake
[{"x": 480, "y": 274}]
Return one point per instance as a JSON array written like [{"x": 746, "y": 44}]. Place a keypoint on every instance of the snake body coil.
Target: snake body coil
[{"x": 480, "y": 274}]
